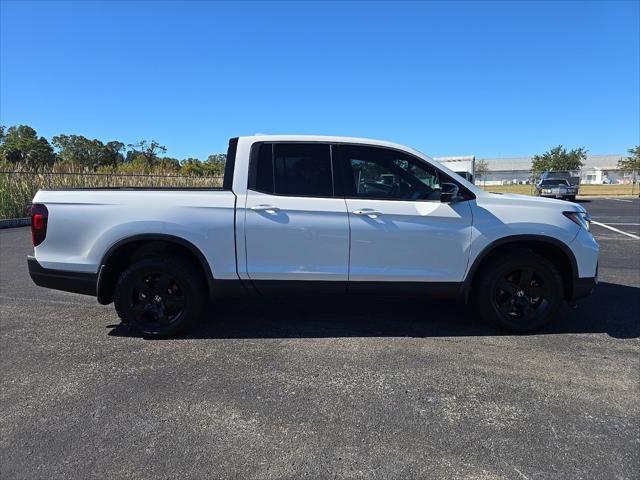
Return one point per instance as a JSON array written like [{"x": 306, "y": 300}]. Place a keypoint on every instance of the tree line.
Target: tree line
[{"x": 21, "y": 145}]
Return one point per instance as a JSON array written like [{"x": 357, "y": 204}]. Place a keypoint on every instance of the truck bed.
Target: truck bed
[{"x": 100, "y": 217}]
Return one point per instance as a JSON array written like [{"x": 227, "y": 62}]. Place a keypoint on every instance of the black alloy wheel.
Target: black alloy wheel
[
  {"x": 521, "y": 295},
  {"x": 156, "y": 300},
  {"x": 160, "y": 297},
  {"x": 518, "y": 290}
]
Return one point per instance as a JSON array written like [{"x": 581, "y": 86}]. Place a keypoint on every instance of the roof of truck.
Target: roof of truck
[{"x": 330, "y": 138}]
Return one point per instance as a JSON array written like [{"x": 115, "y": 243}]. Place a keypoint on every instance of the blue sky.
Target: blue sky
[{"x": 494, "y": 79}]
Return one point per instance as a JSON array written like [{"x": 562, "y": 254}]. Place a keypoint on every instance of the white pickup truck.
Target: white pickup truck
[{"x": 320, "y": 215}]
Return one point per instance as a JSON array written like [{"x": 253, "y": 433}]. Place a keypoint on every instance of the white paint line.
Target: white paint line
[
  {"x": 42, "y": 300},
  {"x": 620, "y": 200},
  {"x": 616, "y": 230},
  {"x": 630, "y": 224}
]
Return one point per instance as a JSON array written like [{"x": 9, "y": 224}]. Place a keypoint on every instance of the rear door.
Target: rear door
[
  {"x": 400, "y": 230},
  {"x": 296, "y": 225}
]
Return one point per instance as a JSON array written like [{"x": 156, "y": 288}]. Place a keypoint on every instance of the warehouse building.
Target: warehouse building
[{"x": 597, "y": 169}]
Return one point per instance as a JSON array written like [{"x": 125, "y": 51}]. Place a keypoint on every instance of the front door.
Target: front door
[{"x": 400, "y": 230}]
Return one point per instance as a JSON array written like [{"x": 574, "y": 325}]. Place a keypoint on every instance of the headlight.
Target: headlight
[
  {"x": 546, "y": 190},
  {"x": 582, "y": 219}
]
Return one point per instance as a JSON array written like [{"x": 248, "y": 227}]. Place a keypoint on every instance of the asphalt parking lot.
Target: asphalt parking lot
[{"x": 358, "y": 389}]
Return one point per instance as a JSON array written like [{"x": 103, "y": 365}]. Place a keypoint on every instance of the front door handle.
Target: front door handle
[
  {"x": 367, "y": 211},
  {"x": 264, "y": 207}
]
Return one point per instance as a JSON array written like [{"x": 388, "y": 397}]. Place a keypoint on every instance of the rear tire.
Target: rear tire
[
  {"x": 519, "y": 291},
  {"x": 160, "y": 297}
]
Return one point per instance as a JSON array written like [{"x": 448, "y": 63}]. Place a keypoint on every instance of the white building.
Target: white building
[{"x": 597, "y": 169}]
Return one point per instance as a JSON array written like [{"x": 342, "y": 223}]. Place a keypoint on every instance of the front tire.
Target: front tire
[
  {"x": 160, "y": 297},
  {"x": 520, "y": 291}
]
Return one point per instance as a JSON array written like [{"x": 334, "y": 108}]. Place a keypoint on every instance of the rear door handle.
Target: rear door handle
[
  {"x": 366, "y": 211},
  {"x": 264, "y": 207}
]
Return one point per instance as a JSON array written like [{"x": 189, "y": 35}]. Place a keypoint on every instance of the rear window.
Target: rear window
[
  {"x": 295, "y": 169},
  {"x": 263, "y": 169}
]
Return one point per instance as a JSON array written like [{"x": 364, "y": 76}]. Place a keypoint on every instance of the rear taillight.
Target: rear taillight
[{"x": 39, "y": 217}]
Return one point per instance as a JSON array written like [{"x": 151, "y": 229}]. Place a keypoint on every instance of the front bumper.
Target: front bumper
[
  {"x": 585, "y": 250},
  {"x": 75, "y": 282},
  {"x": 582, "y": 287},
  {"x": 558, "y": 195}
]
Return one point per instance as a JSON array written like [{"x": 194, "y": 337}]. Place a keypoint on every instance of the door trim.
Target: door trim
[{"x": 448, "y": 290}]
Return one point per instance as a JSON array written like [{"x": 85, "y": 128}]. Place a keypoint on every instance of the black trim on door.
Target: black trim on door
[
  {"x": 300, "y": 287},
  {"x": 410, "y": 289},
  {"x": 399, "y": 289},
  {"x": 230, "y": 164}
]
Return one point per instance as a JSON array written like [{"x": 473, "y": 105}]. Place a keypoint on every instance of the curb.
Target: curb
[{"x": 15, "y": 222}]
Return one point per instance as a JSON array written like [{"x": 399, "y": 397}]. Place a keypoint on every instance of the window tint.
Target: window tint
[
  {"x": 263, "y": 169},
  {"x": 302, "y": 169},
  {"x": 292, "y": 169},
  {"x": 546, "y": 183},
  {"x": 387, "y": 174}
]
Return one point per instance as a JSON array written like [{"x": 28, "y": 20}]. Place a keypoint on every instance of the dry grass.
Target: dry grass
[
  {"x": 585, "y": 190},
  {"x": 613, "y": 190},
  {"x": 19, "y": 185},
  {"x": 520, "y": 189}
]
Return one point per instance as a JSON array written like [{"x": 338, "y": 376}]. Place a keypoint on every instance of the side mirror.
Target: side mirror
[{"x": 448, "y": 192}]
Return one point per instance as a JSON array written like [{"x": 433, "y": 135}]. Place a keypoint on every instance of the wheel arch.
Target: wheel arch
[
  {"x": 551, "y": 248},
  {"x": 121, "y": 253}
]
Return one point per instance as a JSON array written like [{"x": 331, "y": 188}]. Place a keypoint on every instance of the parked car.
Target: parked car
[
  {"x": 557, "y": 188},
  {"x": 319, "y": 215}
]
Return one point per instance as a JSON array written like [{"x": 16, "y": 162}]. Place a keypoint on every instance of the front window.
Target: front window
[{"x": 387, "y": 174}]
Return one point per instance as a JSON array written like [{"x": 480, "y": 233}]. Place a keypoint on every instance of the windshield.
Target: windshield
[{"x": 551, "y": 183}]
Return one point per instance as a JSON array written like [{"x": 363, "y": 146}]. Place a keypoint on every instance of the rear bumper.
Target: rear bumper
[{"x": 75, "y": 282}]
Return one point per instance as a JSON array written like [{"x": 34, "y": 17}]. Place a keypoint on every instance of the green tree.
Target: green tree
[
  {"x": 169, "y": 163},
  {"x": 632, "y": 162},
  {"x": 215, "y": 164},
  {"x": 558, "y": 159},
  {"x": 112, "y": 154},
  {"x": 192, "y": 166},
  {"x": 78, "y": 150},
  {"x": 85, "y": 153},
  {"x": 134, "y": 157},
  {"x": 482, "y": 168},
  {"x": 149, "y": 151},
  {"x": 21, "y": 144}
]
